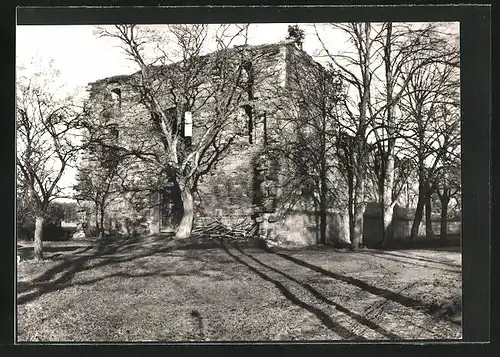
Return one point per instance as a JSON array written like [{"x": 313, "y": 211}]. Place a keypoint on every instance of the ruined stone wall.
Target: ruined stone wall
[
  {"x": 248, "y": 184},
  {"x": 282, "y": 215},
  {"x": 288, "y": 213},
  {"x": 228, "y": 191},
  {"x": 301, "y": 228},
  {"x": 231, "y": 193}
]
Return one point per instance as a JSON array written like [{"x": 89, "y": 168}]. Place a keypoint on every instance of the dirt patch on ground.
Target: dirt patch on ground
[{"x": 158, "y": 290}]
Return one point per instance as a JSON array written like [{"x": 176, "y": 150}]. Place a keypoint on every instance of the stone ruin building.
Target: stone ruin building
[{"x": 248, "y": 187}]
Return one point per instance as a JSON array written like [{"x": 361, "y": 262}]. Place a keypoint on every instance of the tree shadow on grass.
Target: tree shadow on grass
[
  {"x": 451, "y": 249},
  {"x": 105, "y": 252},
  {"x": 450, "y": 245},
  {"x": 321, "y": 315},
  {"x": 360, "y": 319},
  {"x": 71, "y": 264},
  {"x": 417, "y": 305},
  {"x": 27, "y": 252},
  {"x": 74, "y": 263},
  {"x": 411, "y": 260},
  {"x": 424, "y": 258}
]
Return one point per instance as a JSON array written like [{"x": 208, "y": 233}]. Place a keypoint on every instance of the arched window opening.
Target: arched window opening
[
  {"x": 249, "y": 113},
  {"x": 116, "y": 96},
  {"x": 250, "y": 79},
  {"x": 116, "y": 93},
  {"x": 302, "y": 109},
  {"x": 248, "y": 86},
  {"x": 113, "y": 130},
  {"x": 264, "y": 121}
]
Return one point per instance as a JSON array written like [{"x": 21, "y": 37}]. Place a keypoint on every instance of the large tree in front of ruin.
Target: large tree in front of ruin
[{"x": 175, "y": 73}]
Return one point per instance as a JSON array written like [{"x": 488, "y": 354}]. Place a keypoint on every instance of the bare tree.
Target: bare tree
[
  {"x": 182, "y": 80},
  {"x": 356, "y": 68},
  {"x": 405, "y": 49},
  {"x": 45, "y": 132},
  {"x": 379, "y": 68},
  {"x": 310, "y": 108},
  {"x": 432, "y": 121},
  {"x": 98, "y": 182},
  {"x": 448, "y": 187}
]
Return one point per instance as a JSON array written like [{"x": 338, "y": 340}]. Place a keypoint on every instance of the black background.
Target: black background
[{"x": 476, "y": 155}]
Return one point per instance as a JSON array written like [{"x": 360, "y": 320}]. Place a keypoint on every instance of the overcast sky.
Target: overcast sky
[{"x": 81, "y": 57}]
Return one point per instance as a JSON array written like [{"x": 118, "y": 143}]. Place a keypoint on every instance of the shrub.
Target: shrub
[{"x": 52, "y": 230}]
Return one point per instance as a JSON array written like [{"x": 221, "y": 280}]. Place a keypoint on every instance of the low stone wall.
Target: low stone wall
[
  {"x": 338, "y": 227},
  {"x": 372, "y": 229},
  {"x": 301, "y": 228},
  {"x": 297, "y": 228}
]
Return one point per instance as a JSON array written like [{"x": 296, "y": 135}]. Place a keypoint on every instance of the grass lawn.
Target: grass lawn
[{"x": 152, "y": 289}]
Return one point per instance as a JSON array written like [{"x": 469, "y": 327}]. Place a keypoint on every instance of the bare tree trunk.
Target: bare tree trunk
[
  {"x": 38, "y": 243},
  {"x": 322, "y": 207},
  {"x": 186, "y": 224},
  {"x": 101, "y": 220},
  {"x": 419, "y": 212},
  {"x": 417, "y": 220},
  {"x": 360, "y": 146},
  {"x": 407, "y": 189},
  {"x": 388, "y": 167},
  {"x": 445, "y": 199},
  {"x": 350, "y": 202},
  {"x": 388, "y": 221},
  {"x": 357, "y": 239},
  {"x": 323, "y": 182},
  {"x": 322, "y": 222},
  {"x": 387, "y": 204},
  {"x": 428, "y": 217},
  {"x": 97, "y": 226},
  {"x": 359, "y": 211}
]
